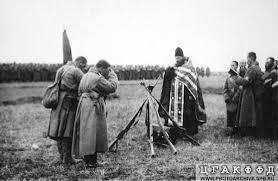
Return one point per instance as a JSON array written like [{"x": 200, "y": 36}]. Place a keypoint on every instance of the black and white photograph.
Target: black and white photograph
[{"x": 139, "y": 90}]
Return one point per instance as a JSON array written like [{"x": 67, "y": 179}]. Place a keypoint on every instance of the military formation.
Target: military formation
[
  {"x": 35, "y": 72},
  {"x": 78, "y": 123},
  {"x": 251, "y": 97}
]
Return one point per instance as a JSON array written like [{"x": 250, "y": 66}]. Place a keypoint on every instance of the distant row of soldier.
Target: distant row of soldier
[
  {"x": 251, "y": 97},
  {"x": 46, "y": 72}
]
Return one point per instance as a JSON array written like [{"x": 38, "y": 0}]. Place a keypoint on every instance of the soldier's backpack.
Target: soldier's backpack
[{"x": 51, "y": 96}]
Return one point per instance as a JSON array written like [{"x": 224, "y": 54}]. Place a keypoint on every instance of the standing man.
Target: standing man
[
  {"x": 250, "y": 106},
  {"x": 270, "y": 97},
  {"x": 62, "y": 118},
  {"x": 182, "y": 96},
  {"x": 231, "y": 95},
  {"x": 90, "y": 130}
]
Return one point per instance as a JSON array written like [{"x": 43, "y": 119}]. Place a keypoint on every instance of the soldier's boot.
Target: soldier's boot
[
  {"x": 60, "y": 150},
  {"x": 61, "y": 155},
  {"x": 66, "y": 147}
]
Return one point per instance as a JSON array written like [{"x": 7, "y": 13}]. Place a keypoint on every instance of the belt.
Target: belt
[
  {"x": 64, "y": 88},
  {"x": 96, "y": 99},
  {"x": 70, "y": 94},
  {"x": 92, "y": 95}
]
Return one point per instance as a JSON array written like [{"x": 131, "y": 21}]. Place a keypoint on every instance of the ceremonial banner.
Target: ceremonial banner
[{"x": 66, "y": 48}]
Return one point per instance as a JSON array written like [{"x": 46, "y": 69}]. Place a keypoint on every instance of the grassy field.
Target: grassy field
[
  {"x": 23, "y": 124},
  {"x": 17, "y": 93}
]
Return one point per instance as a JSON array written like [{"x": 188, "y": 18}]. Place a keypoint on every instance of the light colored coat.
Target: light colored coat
[
  {"x": 231, "y": 93},
  {"x": 90, "y": 129},
  {"x": 231, "y": 97}
]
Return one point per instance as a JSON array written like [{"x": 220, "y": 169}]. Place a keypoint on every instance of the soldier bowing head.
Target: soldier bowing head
[
  {"x": 81, "y": 62},
  {"x": 103, "y": 68}
]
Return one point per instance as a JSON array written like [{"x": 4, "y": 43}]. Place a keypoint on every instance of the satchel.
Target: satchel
[{"x": 51, "y": 96}]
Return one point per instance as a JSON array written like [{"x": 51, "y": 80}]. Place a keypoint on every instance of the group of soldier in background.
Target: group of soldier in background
[
  {"x": 251, "y": 97},
  {"x": 34, "y": 72}
]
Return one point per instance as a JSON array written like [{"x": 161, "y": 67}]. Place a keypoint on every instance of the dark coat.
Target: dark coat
[
  {"x": 62, "y": 117},
  {"x": 246, "y": 115},
  {"x": 250, "y": 105},
  {"x": 270, "y": 100},
  {"x": 193, "y": 116}
]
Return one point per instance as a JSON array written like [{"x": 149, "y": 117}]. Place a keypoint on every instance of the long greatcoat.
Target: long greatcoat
[
  {"x": 231, "y": 97},
  {"x": 62, "y": 117},
  {"x": 90, "y": 129},
  {"x": 270, "y": 100},
  {"x": 250, "y": 105}
]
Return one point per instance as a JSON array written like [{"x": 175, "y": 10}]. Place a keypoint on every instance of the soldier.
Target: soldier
[
  {"x": 62, "y": 117},
  {"x": 250, "y": 106},
  {"x": 231, "y": 95},
  {"x": 275, "y": 65},
  {"x": 182, "y": 96},
  {"x": 270, "y": 97},
  {"x": 90, "y": 130}
]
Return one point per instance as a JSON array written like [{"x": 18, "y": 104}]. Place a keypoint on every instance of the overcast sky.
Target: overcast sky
[{"x": 211, "y": 32}]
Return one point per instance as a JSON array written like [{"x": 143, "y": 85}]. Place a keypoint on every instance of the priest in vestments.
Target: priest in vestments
[{"x": 182, "y": 96}]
